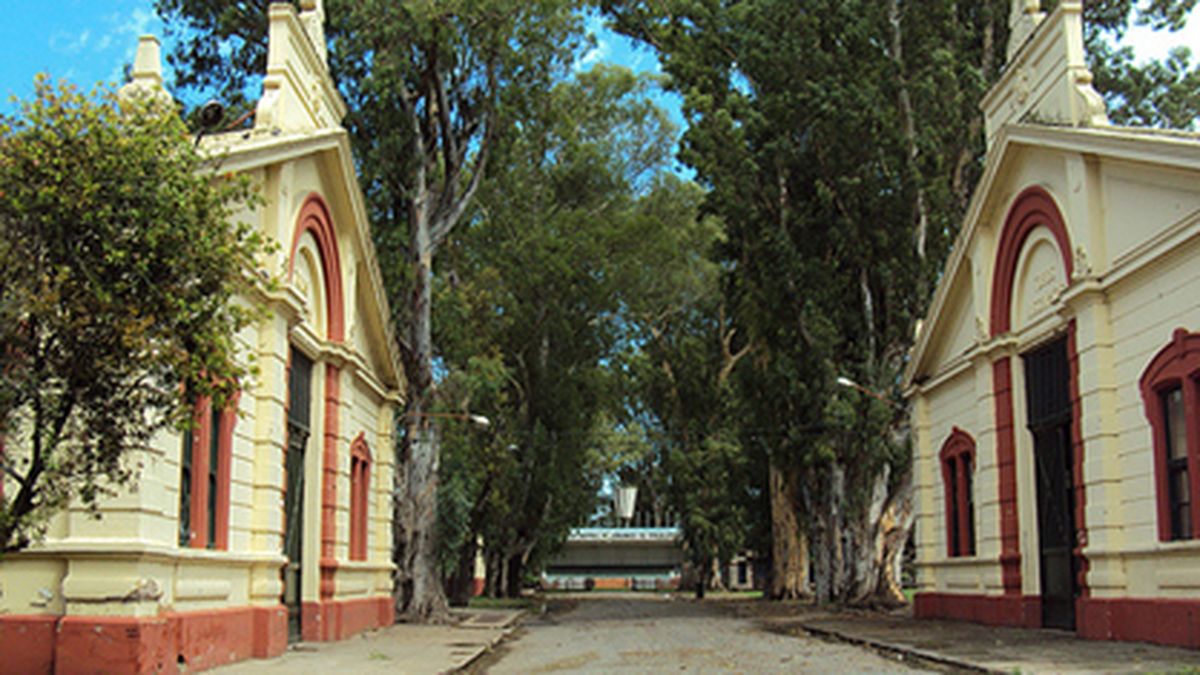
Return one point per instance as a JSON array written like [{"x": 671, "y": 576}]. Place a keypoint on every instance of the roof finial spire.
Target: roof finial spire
[
  {"x": 146, "y": 76},
  {"x": 312, "y": 14},
  {"x": 1025, "y": 17}
]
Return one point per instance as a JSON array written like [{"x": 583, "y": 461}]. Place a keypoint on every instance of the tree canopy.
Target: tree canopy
[{"x": 121, "y": 266}]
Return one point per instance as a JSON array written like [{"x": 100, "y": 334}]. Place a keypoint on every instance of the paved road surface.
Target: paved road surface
[{"x": 652, "y": 634}]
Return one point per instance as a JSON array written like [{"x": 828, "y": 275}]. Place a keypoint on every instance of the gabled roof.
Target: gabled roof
[
  {"x": 1170, "y": 149},
  {"x": 249, "y": 150}
]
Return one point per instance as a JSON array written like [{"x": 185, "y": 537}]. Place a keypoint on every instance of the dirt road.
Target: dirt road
[{"x": 645, "y": 633}]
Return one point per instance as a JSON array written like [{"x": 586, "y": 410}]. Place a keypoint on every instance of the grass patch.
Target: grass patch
[
  {"x": 501, "y": 603},
  {"x": 908, "y": 594}
]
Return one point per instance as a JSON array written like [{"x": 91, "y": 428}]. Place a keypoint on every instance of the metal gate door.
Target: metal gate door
[
  {"x": 298, "y": 429},
  {"x": 1047, "y": 389}
]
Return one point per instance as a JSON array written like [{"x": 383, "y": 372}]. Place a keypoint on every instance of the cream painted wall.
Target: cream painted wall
[{"x": 1135, "y": 229}]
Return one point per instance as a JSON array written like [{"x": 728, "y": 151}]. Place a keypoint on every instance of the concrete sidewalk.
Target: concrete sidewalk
[
  {"x": 402, "y": 648},
  {"x": 974, "y": 647}
]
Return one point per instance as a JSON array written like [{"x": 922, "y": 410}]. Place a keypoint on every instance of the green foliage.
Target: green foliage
[
  {"x": 121, "y": 263},
  {"x": 538, "y": 280}
]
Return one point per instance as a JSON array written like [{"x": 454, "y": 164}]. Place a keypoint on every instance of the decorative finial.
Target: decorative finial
[
  {"x": 146, "y": 77},
  {"x": 1025, "y": 17}
]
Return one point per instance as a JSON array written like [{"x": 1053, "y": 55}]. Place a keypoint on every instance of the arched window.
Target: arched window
[
  {"x": 958, "y": 466},
  {"x": 1171, "y": 395},
  {"x": 360, "y": 488},
  {"x": 205, "y": 461}
]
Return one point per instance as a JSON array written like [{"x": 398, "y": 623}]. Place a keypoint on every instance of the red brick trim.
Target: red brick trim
[
  {"x": 1159, "y": 620},
  {"x": 1024, "y": 611},
  {"x": 27, "y": 643},
  {"x": 173, "y": 641},
  {"x": 1032, "y": 208},
  {"x": 329, "y": 471},
  {"x": 1006, "y": 466},
  {"x": 360, "y": 488},
  {"x": 314, "y": 217},
  {"x": 1175, "y": 365},
  {"x": 339, "y": 619},
  {"x": 958, "y": 445},
  {"x": 169, "y": 642}
]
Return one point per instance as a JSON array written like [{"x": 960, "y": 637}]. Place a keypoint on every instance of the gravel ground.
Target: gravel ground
[{"x": 655, "y": 634}]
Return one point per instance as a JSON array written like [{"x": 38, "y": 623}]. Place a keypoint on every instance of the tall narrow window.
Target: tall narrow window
[
  {"x": 1178, "y": 486},
  {"x": 360, "y": 488},
  {"x": 958, "y": 459},
  {"x": 1171, "y": 394},
  {"x": 185, "y": 489},
  {"x": 205, "y": 459}
]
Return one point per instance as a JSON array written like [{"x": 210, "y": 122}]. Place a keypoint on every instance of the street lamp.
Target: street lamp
[
  {"x": 847, "y": 382},
  {"x": 478, "y": 420}
]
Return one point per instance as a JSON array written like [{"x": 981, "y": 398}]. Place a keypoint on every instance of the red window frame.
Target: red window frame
[
  {"x": 208, "y": 489},
  {"x": 958, "y": 466},
  {"x": 1175, "y": 366},
  {"x": 360, "y": 489}
]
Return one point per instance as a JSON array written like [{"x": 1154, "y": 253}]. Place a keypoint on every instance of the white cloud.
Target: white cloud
[
  {"x": 596, "y": 54},
  {"x": 1150, "y": 44},
  {"x": 69, "y": 44}
]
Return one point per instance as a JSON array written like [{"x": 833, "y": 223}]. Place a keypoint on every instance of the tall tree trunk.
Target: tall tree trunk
[
  {"x": 894, "y": 527},
  {"x": 789, "y": 545},
  {"x": 514, "y": 576},
  {"x": 461, "y": 584},
  {"x": 422, "y": 598}
]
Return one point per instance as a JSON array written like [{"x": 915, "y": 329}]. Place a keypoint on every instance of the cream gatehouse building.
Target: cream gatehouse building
[
  {"x": 1056, "y": 381},
  {"x": 270, "y": 522}
]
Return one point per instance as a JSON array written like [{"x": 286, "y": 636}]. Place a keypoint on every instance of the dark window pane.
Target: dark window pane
[
  {"x": 952, "y": 507},
  {"x": 970, "y": 514},
  {"x": 214, "y": 453},
  {"x": 1176, "y": 429},
  {"x": 185, "y": 489}
]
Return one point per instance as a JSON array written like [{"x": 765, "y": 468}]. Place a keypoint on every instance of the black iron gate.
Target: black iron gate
[
  {"x": 1048, "y": 397},
  {"x": 298, "y": 430}
]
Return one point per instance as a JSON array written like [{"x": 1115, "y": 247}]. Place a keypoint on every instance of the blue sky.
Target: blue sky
[
  {"x": 84, "y": 41},
  {"x": 87, "y": 41}
]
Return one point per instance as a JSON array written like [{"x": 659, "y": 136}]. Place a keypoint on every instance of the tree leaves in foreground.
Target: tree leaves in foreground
[{"x": 121, "y": 263}]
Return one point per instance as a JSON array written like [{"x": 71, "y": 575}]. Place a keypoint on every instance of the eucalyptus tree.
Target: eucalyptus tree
[
  {"x": 840, "y": 143},
  {"x": 532, "y": 292}
]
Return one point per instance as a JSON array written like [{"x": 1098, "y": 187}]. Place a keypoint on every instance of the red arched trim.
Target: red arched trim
[
  {"x": 360, "y": 488},
  {"x": 1032, "y": 208},
  {"x": 1176, "y": 366},
  {"x": 314, "y": 217},
  {"x": 359, "y": 447},
  {"x": 958, "y": 465}
]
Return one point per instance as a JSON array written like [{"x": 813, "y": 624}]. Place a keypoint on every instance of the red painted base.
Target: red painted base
[
  {"x": 27, "y": 643},
  {"x": 1164, "y": 622},
  {"x": 994, "y": 610},
  {"x": 171, "y": 642},
  {"x": 338, "y": 620},
  {"x": 1161, "y": 621}
]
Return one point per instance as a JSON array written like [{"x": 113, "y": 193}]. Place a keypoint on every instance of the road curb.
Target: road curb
[
  {"x": 903, "y": 650},
  {"x": 506, "y": 630}
]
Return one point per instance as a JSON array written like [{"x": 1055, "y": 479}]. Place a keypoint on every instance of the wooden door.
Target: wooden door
[{"x": 1047, "y": 388}]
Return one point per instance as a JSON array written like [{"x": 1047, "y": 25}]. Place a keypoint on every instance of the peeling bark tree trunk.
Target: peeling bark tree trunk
[
  {"x": 894, "y": 526},
  {"x": 789, "y": 545},
  {"x": 421, "y": 597}
]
